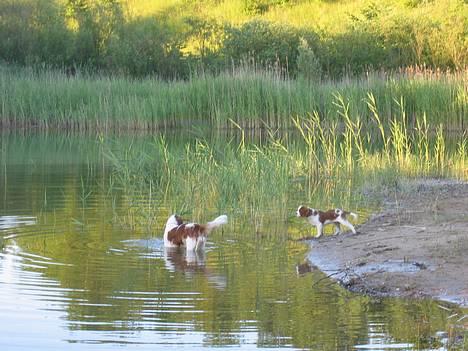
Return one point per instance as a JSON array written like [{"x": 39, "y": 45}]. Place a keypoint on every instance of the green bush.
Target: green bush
[
  {"x": 264, "y": 42},
  {"x": 102, "y": 35},
  {"x": 146, "y": 47},
  {"x": 206, "y": 39},
  {"x": 354, "y": 53},
  {"x": 33, "y": 32},
  {"x": 96, "y": 23},
  {"x": 308, "y": 65}
]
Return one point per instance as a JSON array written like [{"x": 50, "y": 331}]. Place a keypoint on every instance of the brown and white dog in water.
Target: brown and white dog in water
[
  {"x": 189, "y": 235},
  {"x": 320, "y": 218}
]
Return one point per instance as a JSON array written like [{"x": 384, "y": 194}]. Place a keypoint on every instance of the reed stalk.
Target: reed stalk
[
  {"x": 251, "y": 180},
  {"x": 49, "y": 99}
]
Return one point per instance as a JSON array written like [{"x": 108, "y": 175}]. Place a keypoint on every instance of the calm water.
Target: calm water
[{"x": 71, "y": 277}]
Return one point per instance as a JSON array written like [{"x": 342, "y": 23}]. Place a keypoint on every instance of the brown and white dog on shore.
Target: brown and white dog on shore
[
  {"x": 321, "y": 218},
  {"x": 192, "y": 236}
]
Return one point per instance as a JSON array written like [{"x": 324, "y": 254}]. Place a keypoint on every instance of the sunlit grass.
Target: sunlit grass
[
  {"x": 146, "y": 8},
  {"x": 329, "y": 16},
  {"x": 332, "y": 16},
  {"x": 316, "y": 14}
]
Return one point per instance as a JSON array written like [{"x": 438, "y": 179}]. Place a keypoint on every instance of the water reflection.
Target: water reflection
[
  {"x": 185, "y": 261},
  {"x": 72, "y": 278},
  {"x": 192, "y": 263},
  {"x": 8, "y": 222}
]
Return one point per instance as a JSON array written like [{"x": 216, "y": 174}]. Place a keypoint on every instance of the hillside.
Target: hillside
[{"x": 314, "y": 39}]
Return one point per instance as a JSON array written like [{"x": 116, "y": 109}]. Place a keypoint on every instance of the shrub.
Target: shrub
[
  {"x": 147, "y": 46},
  {"x": 266, "y": 43},
  {"x": 33, "y": 32},
  {"x": 94, "y": 23},
  {"x": 308, "y": 65}
]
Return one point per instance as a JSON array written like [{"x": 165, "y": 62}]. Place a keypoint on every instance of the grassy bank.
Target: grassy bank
[
  {"x": 251, "y": 98},
  {"x": 327, "y": 166}
]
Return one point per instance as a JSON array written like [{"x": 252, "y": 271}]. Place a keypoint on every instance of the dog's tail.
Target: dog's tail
[
  {"x": 218, "y": 221},
  {"x": 340, "y": 212}
]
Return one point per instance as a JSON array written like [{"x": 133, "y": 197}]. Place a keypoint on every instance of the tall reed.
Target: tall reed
[
  {"x": 261, "y": 184},
  {"x": 253, "y": 99}
]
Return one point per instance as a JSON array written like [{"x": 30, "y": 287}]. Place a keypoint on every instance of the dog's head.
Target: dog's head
[
  {"x": 174, "y": 221},
  {"x": 304, "y": 211}
]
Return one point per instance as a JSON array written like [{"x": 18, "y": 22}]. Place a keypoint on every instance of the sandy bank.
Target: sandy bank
[{"x": 416, "y": 247}]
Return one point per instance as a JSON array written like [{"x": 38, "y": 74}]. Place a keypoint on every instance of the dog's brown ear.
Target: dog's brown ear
[
  {"x": 313, "y": 212},
  {"x": 303, "y": 211}
]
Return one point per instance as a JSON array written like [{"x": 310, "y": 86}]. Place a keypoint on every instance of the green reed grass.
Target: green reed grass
[
  {"x": 264, "y": 184},
  {"x": 251, "y": 98}
]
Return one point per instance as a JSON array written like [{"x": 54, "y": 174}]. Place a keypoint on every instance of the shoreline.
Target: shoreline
[{"x": 416, "y": 247}]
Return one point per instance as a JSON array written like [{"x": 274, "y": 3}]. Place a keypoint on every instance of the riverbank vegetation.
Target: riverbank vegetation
[
  {"x": 174, "y": 38},
  {"x": 137, "y": 64},
  {"x": 325, "y": 164},
  {"x": 253, "y": 98}
]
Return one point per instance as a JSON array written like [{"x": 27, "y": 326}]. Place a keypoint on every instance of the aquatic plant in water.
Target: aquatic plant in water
[{"x": 321, "y": 163}]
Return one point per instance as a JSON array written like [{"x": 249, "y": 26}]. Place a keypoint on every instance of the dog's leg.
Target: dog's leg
[
  {"x": 346, "y": 223},
  {"x": 319, "y": 230},
  {"x": 191, "y": 244},
  {"x": 337, "y": 229},
  {"x": 200, "y": 243}
]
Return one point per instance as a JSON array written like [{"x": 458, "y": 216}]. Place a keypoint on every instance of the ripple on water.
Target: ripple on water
[{"x": 8, "y": 222}]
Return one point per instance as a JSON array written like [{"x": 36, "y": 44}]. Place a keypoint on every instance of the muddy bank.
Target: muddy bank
[{"x": 416, "y": 247}]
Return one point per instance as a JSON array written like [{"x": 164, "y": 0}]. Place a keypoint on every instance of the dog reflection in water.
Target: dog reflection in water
[
  {"x": 179, "y": 260},
  {"x": 192, "y": 264}
]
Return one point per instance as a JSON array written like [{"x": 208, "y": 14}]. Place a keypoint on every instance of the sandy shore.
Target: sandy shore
[{"x": 416, "y": 247}]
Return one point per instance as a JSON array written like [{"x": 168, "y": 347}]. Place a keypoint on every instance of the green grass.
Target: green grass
[
  {"x": 330, "y": 15},
  {"x": 324, "y": 165},
  {"x": 252, "y": 98}
]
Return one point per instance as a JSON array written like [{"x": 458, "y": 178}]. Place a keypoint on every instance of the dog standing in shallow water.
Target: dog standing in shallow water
[
  {"x": 320, "y": 218},
  {"x": 189, "y": 235}
]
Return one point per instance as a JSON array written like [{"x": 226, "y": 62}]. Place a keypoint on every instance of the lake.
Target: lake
[{"x": 75, "y": 275}]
